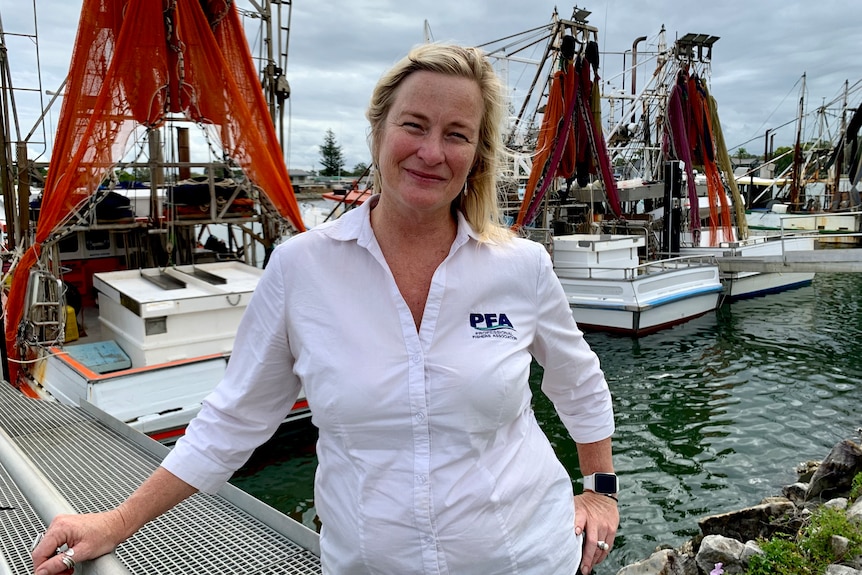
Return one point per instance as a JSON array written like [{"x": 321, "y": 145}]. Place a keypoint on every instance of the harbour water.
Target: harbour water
[{"x": 712, "y": 415}]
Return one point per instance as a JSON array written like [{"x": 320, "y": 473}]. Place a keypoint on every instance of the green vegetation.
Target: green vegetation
[
  {"x": 856, "y": 488},
  {"x": 780, "y": 557},
  {"x": 811, "y": 551}
]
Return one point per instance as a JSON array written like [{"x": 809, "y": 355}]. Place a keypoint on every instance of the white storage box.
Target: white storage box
[
  {"x": 159, "y": 316},
  {"x": 598, "y": 256}
]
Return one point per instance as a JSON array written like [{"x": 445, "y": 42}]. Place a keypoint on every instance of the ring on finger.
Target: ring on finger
[
  {"x": 602, "y": 545},
  {"x": 36, "y": 541},
  {"x": 68, "y": 562}
]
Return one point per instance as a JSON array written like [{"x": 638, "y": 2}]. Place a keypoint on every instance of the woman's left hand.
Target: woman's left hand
[{"x": 597, "y": 517}]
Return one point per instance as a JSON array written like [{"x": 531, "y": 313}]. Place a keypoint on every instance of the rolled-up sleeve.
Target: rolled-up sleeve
[{"x": 258, "y": 390}]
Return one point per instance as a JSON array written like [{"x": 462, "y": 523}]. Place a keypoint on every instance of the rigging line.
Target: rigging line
[
  {"x": 523, "y": 71},
  {"x": 286, "y": 153},
  {"x": 783, "y": 100},
  {"x": 39, "y": 76},
  {"x": 38, "y": 359},
  {"x": 839, "y": 98},
  {"x": 537, "y": 40},
  {"x": 522, "y": 33}
]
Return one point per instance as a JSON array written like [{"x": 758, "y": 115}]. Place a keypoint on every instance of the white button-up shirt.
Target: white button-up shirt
[{"x": 430, "y": 456}]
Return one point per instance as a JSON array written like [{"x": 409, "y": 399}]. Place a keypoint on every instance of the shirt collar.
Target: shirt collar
[{"x": 356, "y": 225}]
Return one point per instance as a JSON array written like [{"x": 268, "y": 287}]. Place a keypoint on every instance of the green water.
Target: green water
[{"x": 712, "y": 415}]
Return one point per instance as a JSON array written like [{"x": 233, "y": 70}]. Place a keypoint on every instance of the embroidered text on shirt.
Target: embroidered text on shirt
[{"x": 492, "y": 325}]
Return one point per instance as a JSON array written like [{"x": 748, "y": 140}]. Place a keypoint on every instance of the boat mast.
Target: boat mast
[
  {"x": 796, "y": 173},
  {"x": 6, "y": 165},
  {"x": 7, "y": 162},
  {"x": 842, "y": 134},
  {"x": 276, "y": 17}
]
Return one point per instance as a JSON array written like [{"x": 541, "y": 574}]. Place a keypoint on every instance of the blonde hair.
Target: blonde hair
[{"x": 479, "y": 203}]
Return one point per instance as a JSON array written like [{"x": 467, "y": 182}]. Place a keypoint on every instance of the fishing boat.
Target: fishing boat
[
  {"x": 607, "y": 257},
  {"x": 819, "y": 189},
  {"x": 131, "y": 268},
  {"x": 742, "y": 285},
  {"x": 673, "y": 184},
  {"x": 610, "y": 290}
]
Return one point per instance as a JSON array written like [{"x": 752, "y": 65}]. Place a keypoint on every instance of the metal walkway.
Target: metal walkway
[
  {"x": 818, "y": 261},
  {"x": 59, "y": 459}
]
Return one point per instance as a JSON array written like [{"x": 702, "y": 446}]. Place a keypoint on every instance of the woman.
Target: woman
[{"x": 411, "y": 323}]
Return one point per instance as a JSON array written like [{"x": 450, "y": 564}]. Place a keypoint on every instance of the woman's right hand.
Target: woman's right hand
[
  {"x": 95, "y": 534},
  {"x": 88, "y": 536}
]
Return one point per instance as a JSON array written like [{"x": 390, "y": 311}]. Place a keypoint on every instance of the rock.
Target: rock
[
  {"x": 760, "y": 521},
  {"x": 836, "y": 472},
  {"x": 839, "y": 545},
  {"x": 664, "y": 562},
  {"x": 750, "y": 550},
  {"x": 718, "y": 549},
  {"x": 796, "y": 492},
  {"x": 839, "y": 503},
  {"x": 720, "y": 541},
  {"x": 806, "y": 469}
]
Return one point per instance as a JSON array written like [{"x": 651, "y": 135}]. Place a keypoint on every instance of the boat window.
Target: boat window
[
  {"x": 69, "y": 244},
  {"x": 156, "y": 325},
  {"x": 98, "y": 239}
]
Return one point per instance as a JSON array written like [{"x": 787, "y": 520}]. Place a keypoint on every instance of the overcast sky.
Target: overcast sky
[{"x": 338, "y": 49}]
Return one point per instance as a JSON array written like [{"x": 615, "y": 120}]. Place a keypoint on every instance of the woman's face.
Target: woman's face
[{"x": 428, "y": 141}]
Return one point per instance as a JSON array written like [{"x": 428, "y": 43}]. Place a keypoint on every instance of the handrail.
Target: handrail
[
  {"x": 47, "y": 502},
  {"x": 783, "y": 217},
  {"x": 651, "y": 267}
]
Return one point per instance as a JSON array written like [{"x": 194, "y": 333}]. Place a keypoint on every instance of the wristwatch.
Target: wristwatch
[{"x": 604, "y": 483}]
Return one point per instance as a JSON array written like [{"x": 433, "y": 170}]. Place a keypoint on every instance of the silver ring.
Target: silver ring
[
  {"x": 602, "y": 545},
  {"x": 68, "y": 562},
  {"x": 36, "y": 541}
]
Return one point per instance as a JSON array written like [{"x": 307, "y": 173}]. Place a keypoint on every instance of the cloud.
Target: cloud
[{"x": 338, "y": 49}]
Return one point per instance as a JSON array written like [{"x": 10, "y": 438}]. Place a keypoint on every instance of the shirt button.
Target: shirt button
[
  {"x": 420, "y": 416},
  {"x": 416, "y": 358},
  {"x": 421, "y": 479}
]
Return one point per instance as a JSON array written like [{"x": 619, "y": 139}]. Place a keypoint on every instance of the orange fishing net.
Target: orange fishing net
[
  {"x": 703, "y": 150},
  {"x": 143, "y": 62}
]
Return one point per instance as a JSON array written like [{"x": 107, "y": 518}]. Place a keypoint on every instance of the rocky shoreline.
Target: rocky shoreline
[{"x": 729, "y": 541}]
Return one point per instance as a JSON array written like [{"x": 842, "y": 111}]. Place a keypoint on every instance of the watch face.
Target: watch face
[{"x": 606, "y": 483}]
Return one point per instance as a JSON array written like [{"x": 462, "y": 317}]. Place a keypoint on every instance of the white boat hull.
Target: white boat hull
[
  {"x": 754, "y": 284},
  {"x": 743, "y": 285},
  {"x": 643, "y": 305},
  {"x": 608, "y": 290},
  {"x": 771, "y": 222}
]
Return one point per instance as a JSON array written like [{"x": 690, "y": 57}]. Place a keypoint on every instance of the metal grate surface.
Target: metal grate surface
[
  {"x": 95, "y": 469},
  {"x": 18, "y": 525}
]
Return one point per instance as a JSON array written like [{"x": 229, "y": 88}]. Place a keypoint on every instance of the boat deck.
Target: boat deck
[{"x": 59, "y": 459}]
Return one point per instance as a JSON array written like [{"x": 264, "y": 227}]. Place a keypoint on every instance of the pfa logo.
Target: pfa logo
[{"x": 488, "y": 325}]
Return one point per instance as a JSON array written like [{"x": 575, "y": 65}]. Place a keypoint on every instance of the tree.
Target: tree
[
  {"x": 784, "y": 157},
  {"x": 359, "y": 169},
  {"x": 331, "y": 156}
]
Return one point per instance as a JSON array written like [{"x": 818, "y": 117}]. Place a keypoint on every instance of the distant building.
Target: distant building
[{"x": 300, "y": 177}]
